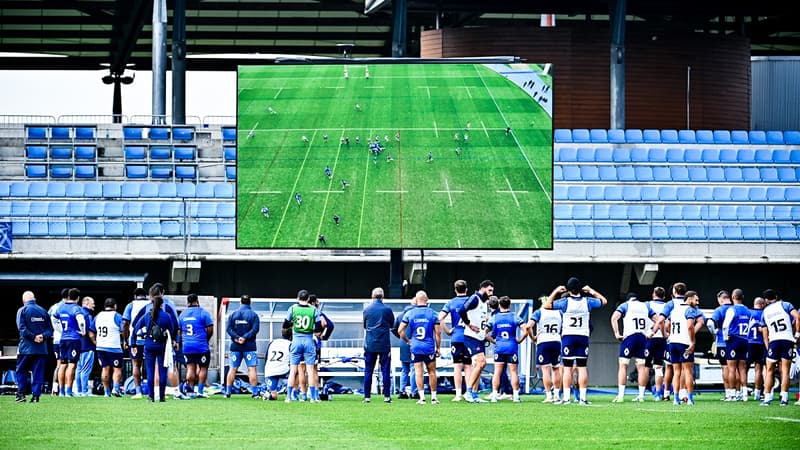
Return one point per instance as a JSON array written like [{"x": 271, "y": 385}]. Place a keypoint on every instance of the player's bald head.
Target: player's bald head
[
  {"x": 421, "y": 298},
  {"x": 377, "y": 293},
  {"x": 759, "y": 303},
  {"x": 27, "y": 296}
]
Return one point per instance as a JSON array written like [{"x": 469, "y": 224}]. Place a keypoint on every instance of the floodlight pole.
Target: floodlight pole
[
  {"x": 396, "y": 273},
  {"x": 618, "y": 63},
  {"x": 399, "y": 28},
  {"x": 116, "y": 107},
  {"x": 159, "y": 57},
  {"x": 179, "y": 62}
]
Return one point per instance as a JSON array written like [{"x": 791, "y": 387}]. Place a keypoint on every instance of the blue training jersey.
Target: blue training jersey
[
  {"x": 503, "y": 328},
  {"x": 738, "y": 319},
  {"x": 718, "y": 317},
  {"x": 193, "y": 322},
  {"x": 68, "y": 314},
  {"x": 452, "y": 307},
  {"x": 422, "y": 321},
  {"x": 755, "y": 336}
]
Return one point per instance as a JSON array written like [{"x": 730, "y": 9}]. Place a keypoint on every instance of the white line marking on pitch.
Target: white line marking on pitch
[
  {"x": 784, "y": 419},
  {"x": 363, "y": 198},
  {"x": 254, "y": 128},
  {"x": 459, "y": 243},
  {"x": 277, "y": 93},
  {"x": 373, "y": 87},
  {"x": 328, "y": 192},
  {"x": 334, "y": 87},
  {"x": 427, "y": 88},
  {"x": 469, "y": 93},
  {"x": 512, "y": 191},
  {"x": 435, "y": 128},
  {"x": 391, "y": 192},
  {"x": 265, "y": 192},
  {"x": 294, "y": 188},
  {"x": 535, "y": 243},
  {"x": 671, "y": 410},
  {"x": 448, "y": 191},
  {"x": 547, "y": 194},
  {"x": 484, "y": 129}
]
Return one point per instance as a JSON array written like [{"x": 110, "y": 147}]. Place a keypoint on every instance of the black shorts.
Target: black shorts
[
  {"x": 654, "y": 352},
  {"x": 201, "y": 359},
  {"x": 459, "y": 353},
  {"x": 756, "y": 353}
]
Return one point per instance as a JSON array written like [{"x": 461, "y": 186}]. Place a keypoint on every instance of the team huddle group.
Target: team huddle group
[{"x": 656, "y": 333}]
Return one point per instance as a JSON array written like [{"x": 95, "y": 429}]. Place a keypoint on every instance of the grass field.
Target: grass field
[
  {"x": 241, "y": 422},
  {"x": 495, "y": 194}
]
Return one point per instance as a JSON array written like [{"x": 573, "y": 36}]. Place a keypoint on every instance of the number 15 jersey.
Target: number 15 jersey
[{"x": 777, "y": 318}]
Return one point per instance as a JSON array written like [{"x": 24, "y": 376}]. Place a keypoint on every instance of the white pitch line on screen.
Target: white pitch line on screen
[
  {"x": 535, "y": 244},
  {"x": 255, "y": 127},
  {"x": 334, "y": 87},
  {"x": 783, "y": 419},
  {"x": 373, "y": 87},
  {"x": 427, "y": 88},
  {"x": 459, "y": 243},
  {"x": 448, "y": 191},
  {"x": 329, "y": 191},
  {"x": 391, "y": 192},
  {"x": 547, "y": 194},
  {"x": 277, "y": 93},
  {"x": 435, "y": 129},
  {"x": 363, "y": 198},
  {"x": 402, "y": 77},
  {"x": 294, "y": 188},
  {"x": 469, "y": 92},
  {"x": 485, "y": 130}
]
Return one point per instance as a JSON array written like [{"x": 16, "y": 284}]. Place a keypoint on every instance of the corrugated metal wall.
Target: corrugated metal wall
[{"x": 775, "y": 98}]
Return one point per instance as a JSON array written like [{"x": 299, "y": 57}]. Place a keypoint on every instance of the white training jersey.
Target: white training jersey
[
  {"x": 656, "y": 306},
  {"x": 679, "y": 325},
  {"x": 56, "y": 321},
  {"x": 576, "y": 318},
  {"x": 778, "y": 321},
  {"x": 635, "y": 319},
  {"x": 277, "y": 358},
  {"x": 477, "y": 317},
  {"x": 548, "y": 327},
  {"x": 107, "y": 330},
  {"x": 136, "y": 306}
]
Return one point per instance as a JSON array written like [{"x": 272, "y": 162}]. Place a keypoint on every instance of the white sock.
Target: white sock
[
  {"x": 744, "y": 391},
  {"x": 784, "y": 396},
  {"x": 567, "y": 394},
  {"x": 548, "y": 395},
  {"x": 620, "y": 390},
  {"x": 769, "y": 397},
  {"x": 757, "y": 393},
  {"x": 433, "y": 395},
  {"x": 556, "y": 393},
  {"x": 458, "y": 392},
  {"x": 582, "y": 392},
  {"x": 422, "y": 396},
  {"x": 495, "y": 394},
  {"x": 641, "y": 391},
  {"x": 516, "y": 394}
]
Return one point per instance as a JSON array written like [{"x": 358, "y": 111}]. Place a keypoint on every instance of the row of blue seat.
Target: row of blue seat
[
  {"x": 675, "y": 232},
  {"x": 60, "y": 132},
  {"x": 100, "y": 208},
  {"x": 113, "y": 189},
  {"x": 120, "y": 229},
  {"x": 692, "y": 212},
  {"x": 87, "y": 152},
  {"x": 680, "y": 155},
  {"x": 681, "y": 193},
  {"x": 160, "y": 152},
  {"x": 61, "y": 171},
  {"x": 666, "y": 174},
  {"x": 651, "y": 136},
  {"x": 156, "y": 133},
  {"x": 160, "y": 171},
  {"x": 229, "y": 153}
]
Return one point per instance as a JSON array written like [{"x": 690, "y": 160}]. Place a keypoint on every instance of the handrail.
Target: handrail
[{"x": 6, "y": 120}]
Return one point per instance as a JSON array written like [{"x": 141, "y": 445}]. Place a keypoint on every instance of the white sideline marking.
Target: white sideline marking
[
  {"x": 783, "y": 419},
  {"x": 277, "y": 93},
  {"x": 334, "y": 87},
  {"x": 435, "y": 128},
  {"x": 265, "y": 192},
  {"x": 671, "y": 410}
]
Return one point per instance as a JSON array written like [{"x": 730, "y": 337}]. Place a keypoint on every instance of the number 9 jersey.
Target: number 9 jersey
[{"x": 422, "y": 321}]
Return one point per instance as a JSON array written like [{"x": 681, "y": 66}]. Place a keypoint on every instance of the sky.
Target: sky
[{"x": 60, "y": 93}]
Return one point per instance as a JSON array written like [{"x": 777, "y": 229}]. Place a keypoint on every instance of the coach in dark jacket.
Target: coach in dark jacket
[
  {"x": 35, "y": 328},
  {"x": 378, "y": 322}
]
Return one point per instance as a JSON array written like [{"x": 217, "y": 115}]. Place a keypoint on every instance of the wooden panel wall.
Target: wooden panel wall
[{"x": 655, "y": 72}]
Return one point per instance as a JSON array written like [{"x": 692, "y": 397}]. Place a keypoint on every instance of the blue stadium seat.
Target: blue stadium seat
[
  {"x": 182, "y": 133},
  {"x": 5, "y": 189},
  {"x": 582, "y": 211},
  {"x": 787, "y": 232},
  {"x": 56, "y": 189},
  {"x": 37, "y": 228},
  {"x": 686, "y": 193},
  {"x": 37, "y": 189},
  {"x": 185, "y": 190},
  {"x": 748, "y": 174},
  {"x": 752, "y": 232},
  {"x": 697, "y": 174},
  {"x": 132, "y": 132},
  {"x": 687, "y": 137},
  {"x": 734, "y": 174},
  {"x": 649, "y": 193},
  {"x": 775, "y": 137},
  {"x": 740, "y": 137},
  {"x": 185, "y": 153},
  {"x": 130, "y": 190},
  {"x": 639, "y": 154},
  {"x": 745, "y": 212},
  {"x": 776, "y": 194},
  {"x": 710, "y": 155},
  {"x": 565, "y": 231},
  {"x": 624, "y": 154},
  {"x": 35, "y": 171},
  {"x": 626, "y": 173},
  {"x": 618, "y": 211},
  {"x": 559, "y": 192},
  {"x": 85, "y": 133},
  {"x": 160, "y": 153},
  {"x": 576, "y": 192},
  {"x": 151, "y": 229},
  {"x": 728, "y": 155},
  {"x": 613, "y": 193},
  {"x": 563, "y": 154},
  {"x": 651, "y": 136},
  {"x": 603, "y": 154},
  {"x": 601, "y": 211},
  {"x": 185, "y": 172},
  {"x": 631, "y": 193},
  {"x": 57, "y": 228},
  {"x": 695, "y": 232},
  {"x": 662, "y": 174},
  {"x": 95, "y": 229},
  {"x": 791, "y": 137},
  {"x": 726, "y": 212},
  {"x": 598, "y": 135},
  {"x": 704, "y": 193},
  {"x": 779, "y": 212},
  {"x": 763, "y": 156},
  {"x": 590, "y": 173},
  {"x": 167, "y": 190},
  {"x": 603, "y": 231},
  {"x": 585, "y": 154},
  {"x": 704, "y": 137},
  {"x": 640, "y": 231},
  {"x": 746, "y": 156},
  {"x": 132, "y": 229},
  {"x": 732, "y": 232},
  {"x": 85, "y": 152},
  {"x": 148, "y": 190},
  {"x": 632, "y": 136},
  {"x": 559, "y": 135},
  {"x": 581, "y": 136},
  {"x": 134, "y": 152},
  {"x": 207, "y": 229},
  {"x": 114, "y": 209},
  {"x": 60, "y": 133},
  {"x": 674, "y": 232},
  {"x": 19, "y": 228},
  {"x": 158, "y": 133},
  {"x": 222, "y": 190},
  {"x": 38, "y": 209},
  {"x": 659, "y": 232},
  {"x": 679, "y": 173},
  {"x": 692, "y": 155},
  {"x": 657, "y": 155},
  {"x": 83, "y": 189},
  {"x": 638, "y": 212},
  {"x": 135, "y": 171},
  {"x": 170, "y": 210},
  {"x": 95, "y": 209},
  {"x": 76, "y": 208},
  {"x": 675, "y": 155},
  {"x": 229, "y": 152},
  {"x": 161, "y": 172},
  {"x": 151, "y": 209},
  {"x": 715, "y": 174},
  {"x": 226, "y": 210},
  {"x": 643, "y": 173},
  {"x": 605, "y": 173},
  {"x": 769, "y": 174},
  {"x": 36, "y": 132},
  {"x": 792, "y": 194},
  {"x": 691, "y": 212},
  {"x": 562, "y": 211},
  {"x": 112, "y": 189},
  {"x": 594, "y": 192},
  {"x": 617, "y": 136},
  {"x": 36, "y": 152},
  {"x": 207, "y": 210},
  {"x": 757, "y": 194},
  {"x": 85, "y": 171},
  {"x": 170, "y": 229},
  {"x": 722, "y": 137},
  {"x": 229, "y": 134},
  {"x": 583, "y": 231},
  {"x": 571, "y": 173},
  {"x": 667, "y": 193},
  {"x": 781, "y": 156},
  {"x": 134, "y": 209},
  {"x": 669, "y": 136},
  {"x": 758, "y": 137},
  {"x": 739, "y": 194},
  {"x": 721, "y": 194},
  {"x": 20, "y": 208}
]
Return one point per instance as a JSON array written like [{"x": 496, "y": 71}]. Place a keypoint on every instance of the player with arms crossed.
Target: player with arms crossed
[
  {"x": 634, "y": 315},
  {"x": 108, "y": 331},
  {"x": 196, "y": 329},
  {"x": 735, "y": 329},
  {"x": 503, "y": 328},
  {"x": 548, "y": 349},
  {"x": 680, "y": 315},
  {"x": 776, "y": 327},
  {"x": 575, "y": 332},
  {"x": 461, "y": 359},
  {"x": 425, "y": 342}
]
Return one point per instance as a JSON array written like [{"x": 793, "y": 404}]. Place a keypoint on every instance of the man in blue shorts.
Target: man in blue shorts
[
  {"x": 73, "y": 327},
  {"x": 243, "y": 327},
  {"x": 735, "y": 329},
  {"x": 276, "y": 366},
  {"x": 755, "y": 347},
  {"x": 134, "y": 343},
  {"x": 303, "y": 319},
  {"x": 721, "y": 353},
  {"x": 461, "y": 359},
  {"x": 634, "y": 315},
  {"x": 196, "y": 328},
  {"x": 425, "y": 342},
  {"x": 778, "y": 321},
  {"x": 548, "y": 349},
  {"x": 680, "y": 315},
  {"x": 474, "y": 313},
  {"x": 503, "y": 328}
]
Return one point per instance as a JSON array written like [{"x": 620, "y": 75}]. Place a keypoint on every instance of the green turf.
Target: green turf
[
  {"x": 241, "y": 422},
  {"x": 452, "y": 202}
]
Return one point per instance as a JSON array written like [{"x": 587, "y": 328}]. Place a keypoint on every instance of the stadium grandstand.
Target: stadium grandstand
[{"x": 675, "y": 160}]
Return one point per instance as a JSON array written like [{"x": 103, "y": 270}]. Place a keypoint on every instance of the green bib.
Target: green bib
[{"x": 303, "y": 319}]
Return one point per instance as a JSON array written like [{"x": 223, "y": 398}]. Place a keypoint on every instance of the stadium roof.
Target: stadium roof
[{"x": 90, "y": 33}]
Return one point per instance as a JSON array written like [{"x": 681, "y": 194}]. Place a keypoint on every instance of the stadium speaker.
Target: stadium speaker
[
  {"x": 646, "y": 273},
  {"x": 415, "y": 272},
  {"x": 185, "y": 271}
]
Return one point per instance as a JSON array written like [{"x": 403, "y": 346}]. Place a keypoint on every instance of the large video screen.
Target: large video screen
[{"x": 388, "y": 156}]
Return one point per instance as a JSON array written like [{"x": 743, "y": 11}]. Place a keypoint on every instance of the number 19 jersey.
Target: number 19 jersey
[
  {"x": 422, "y": 321},
  {"x": 108, "y": 325}
]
